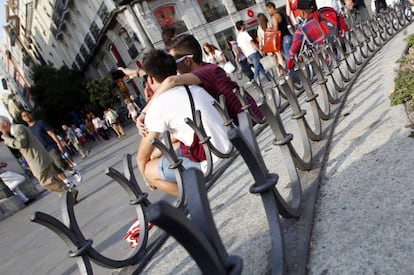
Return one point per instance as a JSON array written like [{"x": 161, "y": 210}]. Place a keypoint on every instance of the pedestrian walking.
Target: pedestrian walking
[
  {"x": 13, "y": 180},
  {"x": 42, "y": 166},
  {"x": 73, "y": 140},
  {"x": 251, "y": 50},
  {"x": 112, "y": 119},
  {"x": 47, "y": 137}
]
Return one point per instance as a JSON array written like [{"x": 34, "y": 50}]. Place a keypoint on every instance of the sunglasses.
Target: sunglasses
[{"x": 181, "y": 59}]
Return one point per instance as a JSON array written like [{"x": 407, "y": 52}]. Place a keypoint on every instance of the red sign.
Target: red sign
[{"x": 165, "y": 16}]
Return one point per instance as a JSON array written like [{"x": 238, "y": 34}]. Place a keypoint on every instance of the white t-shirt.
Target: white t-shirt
[
  {"x": 168, "y": 111},
  {"x": 244, "y": 40}
]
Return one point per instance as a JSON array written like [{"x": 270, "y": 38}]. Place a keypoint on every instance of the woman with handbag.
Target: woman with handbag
[
  {"x": 265, "y": 28},
  {"x": 280, "y": 23}
]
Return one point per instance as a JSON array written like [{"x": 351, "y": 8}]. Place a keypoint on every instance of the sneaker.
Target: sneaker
[
  {"x": 70, "y": 184},
  {"x": 78, "y": 177},
  {"x": 132, "y": 235},
  {"x": 74, "y": 164},
  {"x": 74, "y": 193}
]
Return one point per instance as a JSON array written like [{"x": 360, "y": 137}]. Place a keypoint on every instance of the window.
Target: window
[
  {"x": 168, "y": 16},
  {"x": 243, "y": 4},
  {"x": 222, "y": 41},
  {"x": 213, "y": 10},
  {"x": 132, "y": 50}
]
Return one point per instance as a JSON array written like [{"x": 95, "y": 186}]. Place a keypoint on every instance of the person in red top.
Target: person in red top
[
  {"x": 308, "y": 32},
  {"x": 292, "y": 11},
  {"x": 188, "y": 54},
  {"x": 214, "y": 79}
]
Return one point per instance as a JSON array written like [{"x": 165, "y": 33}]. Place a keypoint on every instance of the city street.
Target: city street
[{"x": 362, "y": 223}]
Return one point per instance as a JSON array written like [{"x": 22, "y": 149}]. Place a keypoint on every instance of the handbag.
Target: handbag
[
  {"x": 229, "y": 67},
  {"x": 272, "y": 41}
]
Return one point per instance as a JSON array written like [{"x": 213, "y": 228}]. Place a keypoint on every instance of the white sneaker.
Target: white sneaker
[
  {"x": 70, "y": 184},
  {"x": 74, "y": 164},
  {"x": 78, "y": 177}
]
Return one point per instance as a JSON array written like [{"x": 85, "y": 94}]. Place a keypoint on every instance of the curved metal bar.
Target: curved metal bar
[
  {"x": 263, "y": 185},
  {"x": 354, "y": 46},
  {"x": 129, "y": 188},
  {"x": 205, "y": 141},
  {"x": 335, "y": 51},
  {"x": 320, "y": 67},
  {"x": 320, "y": 57},
  {"x": 306, "y": 133},
  {"x": 349, "y": 56},
  {"x": 282, "y": 138},
  {"x": 198, "y": 128},
  {"x": 244, "y": 140},
  {"x": 240, "y": 93},
  {"x": 311, "y": 99},
  {"x": 220, "y": 106},
  {"x": 168, "y": 151},
  {"x": 188, "y": 235},
  {"x": 201, "y": 216},
  {"x": 68, "y": 237},
  {"x": 130, "y": 176}
]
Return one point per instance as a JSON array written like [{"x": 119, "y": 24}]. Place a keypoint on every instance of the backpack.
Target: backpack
[
  {"x": 333, "y": 24},
  {"x": 195, "y": 152}
]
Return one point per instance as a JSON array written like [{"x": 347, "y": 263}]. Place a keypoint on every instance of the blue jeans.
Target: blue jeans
[
  {"x": 258, "y": 67},
  {"x": 286, "y": 44},
  {"x": 245, "y": 66},
  {"x": 169, "y": 174}
]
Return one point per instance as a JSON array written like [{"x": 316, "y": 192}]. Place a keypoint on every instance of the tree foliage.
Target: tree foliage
[
  {"x": 57, "y": 93},
  {"x": 102, "y": 92}
]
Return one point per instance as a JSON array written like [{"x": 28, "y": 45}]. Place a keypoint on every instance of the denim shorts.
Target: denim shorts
[{"x": 169, "y": 174}]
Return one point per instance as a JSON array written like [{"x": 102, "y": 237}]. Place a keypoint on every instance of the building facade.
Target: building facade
[{"x": 98, "y": 36}]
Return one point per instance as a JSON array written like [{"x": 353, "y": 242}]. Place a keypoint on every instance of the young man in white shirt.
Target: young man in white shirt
[
  {"x": 167, "y": 112},
  {"x": 250, "y": 50}
]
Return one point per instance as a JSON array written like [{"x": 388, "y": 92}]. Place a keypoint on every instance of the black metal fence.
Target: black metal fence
[{"x": 326, "y": 74}]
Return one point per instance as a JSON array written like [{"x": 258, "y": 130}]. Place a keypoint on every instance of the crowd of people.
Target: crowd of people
[
  {"x": 202, "y": 66},
  {"x": 49, "y": 153}
]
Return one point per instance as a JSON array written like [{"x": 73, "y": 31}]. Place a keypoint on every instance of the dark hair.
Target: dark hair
[
  {"x": 187, "y": 44},
  {"x": 159, "y": 64},
  {"x": 168, "y": 34},
  {"x": 306, "y": 5},
  {"x": 270, "y": 5},
  {"x": 239, "y": 25}
]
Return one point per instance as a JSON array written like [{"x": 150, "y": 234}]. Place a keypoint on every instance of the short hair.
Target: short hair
[
  {"x": 5, "y": 119},
  {"x": 270, "y": 5},
  {"x": 187, "y": 44},
  {"x": 159, "y": 64},
  {"x": 25, "y": 111},
  {"x": 239, "y": 25}
]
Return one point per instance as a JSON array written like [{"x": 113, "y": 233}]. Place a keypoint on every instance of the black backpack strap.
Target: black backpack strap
[{"x": 191, "y": 100}]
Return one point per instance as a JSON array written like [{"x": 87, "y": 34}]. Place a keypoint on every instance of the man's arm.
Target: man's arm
[
  {"x": 255, "y": 46},
  {"x": 144, "y": 153},
  {"x": 19, "y": 140},
  {"x": 52, "y": 134}
]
